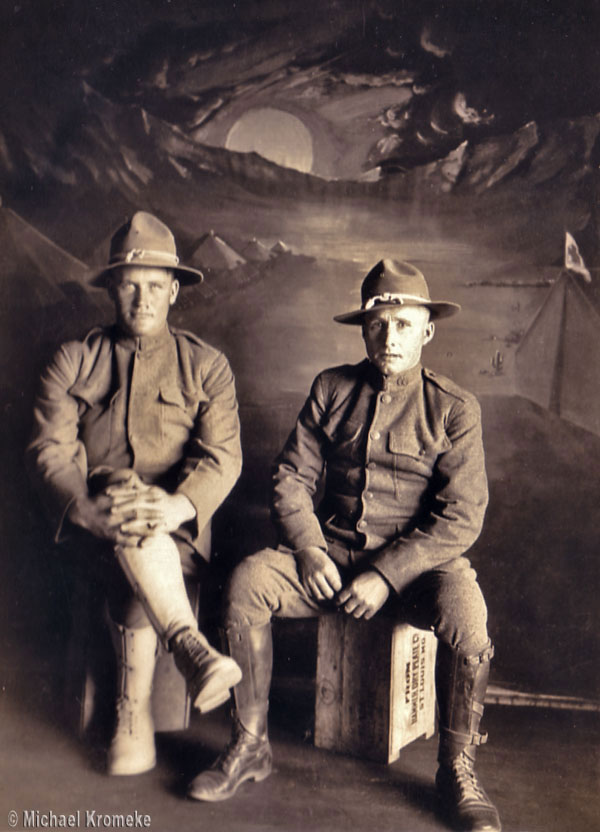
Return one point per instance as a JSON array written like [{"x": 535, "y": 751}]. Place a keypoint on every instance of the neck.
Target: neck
[
  {"x": 141, "y": 342},
  {"x": 395, "y": 379}
]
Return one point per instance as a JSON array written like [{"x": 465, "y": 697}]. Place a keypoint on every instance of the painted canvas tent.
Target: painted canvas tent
[
  {"x": 256, "y": 251},
  {"x": 30, "y": 256},
  {"x": 211, "y": 252},
  {"x": 558, "y": 359}
]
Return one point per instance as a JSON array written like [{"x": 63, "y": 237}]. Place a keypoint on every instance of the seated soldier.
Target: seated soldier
[
  {"x": 135, "y": 445},
  {"x": 405, "y": 494}
]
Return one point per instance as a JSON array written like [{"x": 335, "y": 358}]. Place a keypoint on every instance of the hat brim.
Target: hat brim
[
  {"x": 184, "y": 274},
  {"x": 438, "y": 309}
]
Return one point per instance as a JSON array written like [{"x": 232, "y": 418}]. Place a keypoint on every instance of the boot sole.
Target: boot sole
[
  {"x": 115, "y": 771},
  {"x": 216, "y": 689},
  {"x": 217, "y": 797}
]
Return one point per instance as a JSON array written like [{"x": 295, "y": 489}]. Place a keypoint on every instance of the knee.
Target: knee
[
  {"x": 248, "y": 594},
  {"x": 462, "y": 615},
  {"x": 250, "y": 575}
]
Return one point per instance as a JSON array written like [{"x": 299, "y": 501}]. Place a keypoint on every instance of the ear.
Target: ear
[
  {"x": 429, "y": 332},
  {"x": 174, "y": 291},
  {"x": 111, "y": 289}
]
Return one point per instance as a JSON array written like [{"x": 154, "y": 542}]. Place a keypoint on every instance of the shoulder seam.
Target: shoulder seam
[{"x": 447, "y": 385}]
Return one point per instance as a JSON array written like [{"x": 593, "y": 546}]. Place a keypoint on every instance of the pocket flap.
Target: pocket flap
[
  {"x": 186, "y": 399},
  {"x": 404, "y": 443},
  {"x": 170, "y": 394},
  {"x": 412, "y": 445}
]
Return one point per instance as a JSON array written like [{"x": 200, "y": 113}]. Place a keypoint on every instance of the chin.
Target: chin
[{"x": 390, "y": 368}]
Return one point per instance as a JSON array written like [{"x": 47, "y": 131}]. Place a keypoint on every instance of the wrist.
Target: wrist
[
  {"x": 309, "y": 552},
  {"x": 76, "y": 512}
]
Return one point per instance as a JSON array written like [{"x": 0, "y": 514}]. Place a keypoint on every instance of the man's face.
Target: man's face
[
  {"x": 142, "y": 298},
  {"x": 395, "y": 337}
]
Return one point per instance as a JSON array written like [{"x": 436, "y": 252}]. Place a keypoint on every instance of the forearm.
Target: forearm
[
  {"x": 297, "y": 473},
  {"x": 214, "y": 456}
]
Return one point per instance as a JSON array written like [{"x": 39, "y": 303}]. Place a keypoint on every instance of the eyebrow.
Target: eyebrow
[{"x": 392, "y": 320}]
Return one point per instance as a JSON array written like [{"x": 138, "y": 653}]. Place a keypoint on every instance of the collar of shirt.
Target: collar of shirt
[
  {"x": 146, "y": 344},
  {"x": 392, "y": 383}
]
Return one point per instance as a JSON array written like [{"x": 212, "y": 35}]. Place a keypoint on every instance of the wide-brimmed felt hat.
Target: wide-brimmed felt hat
[
  {"x": 145, "y": 241},
  {"x": 394, "y": 283}
]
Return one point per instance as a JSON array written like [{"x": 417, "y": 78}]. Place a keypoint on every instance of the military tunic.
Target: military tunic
[
  {"x": 405, "y": 485},
  {"x": 162, "y": 405}
]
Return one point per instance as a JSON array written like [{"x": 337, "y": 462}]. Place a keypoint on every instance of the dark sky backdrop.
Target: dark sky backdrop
[{"x": 462, "y": 136}]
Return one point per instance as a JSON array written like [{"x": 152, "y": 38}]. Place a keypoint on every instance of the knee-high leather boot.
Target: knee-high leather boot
[
  {"x": 461, "y": 682},
  {"x": 248, "y": 755},
  {"x": 132, "y": 748},
  {"x": 154, "y": 572}
]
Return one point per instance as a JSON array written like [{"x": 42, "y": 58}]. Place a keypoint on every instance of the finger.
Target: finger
[
  {"x": 129, "y": 539},
  {"x": 359, "y": 611},
  {"x": 315, "y": 590},
  {"x": 350, "y": 605},
  {"x": 324, "y": 587},
  {"x": 123, "y": 489},
  {"x": 132, "y": 499},
  {"x": 369, "y": 614},
  {"x": 344, "y": 595},
  {"x": 141, "y": 527},
  {"x": 333, "y": 578},
  {"x": 142, "y": 513}
]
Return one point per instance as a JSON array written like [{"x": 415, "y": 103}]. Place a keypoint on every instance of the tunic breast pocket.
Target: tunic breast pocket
[
  {"x": 414, "y": 454},
  {"x": 177, "y": 410}
]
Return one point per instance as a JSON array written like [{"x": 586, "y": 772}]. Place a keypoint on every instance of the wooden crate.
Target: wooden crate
[{"x": 375, "y": 686}]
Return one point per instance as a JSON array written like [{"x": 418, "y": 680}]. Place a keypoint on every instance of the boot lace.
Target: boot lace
[
  {"x": 189, "y": 651},
  {"x": 237, "y": 746},
  {"x": 468, "y": 787}
]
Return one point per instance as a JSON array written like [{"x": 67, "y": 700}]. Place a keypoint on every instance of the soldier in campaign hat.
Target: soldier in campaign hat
[
  {"x": 135, "y": 445},
  {"x": 404, "y": 497}
]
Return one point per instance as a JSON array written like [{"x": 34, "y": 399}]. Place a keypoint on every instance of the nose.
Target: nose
[
  {"x": 141, "y": 297},
  {"x": 389, "y": 336}
]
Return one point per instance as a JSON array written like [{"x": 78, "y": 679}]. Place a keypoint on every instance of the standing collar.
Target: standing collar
[
  {"x": 398, "y": 381},
  {"x": 141, "y": 343}
]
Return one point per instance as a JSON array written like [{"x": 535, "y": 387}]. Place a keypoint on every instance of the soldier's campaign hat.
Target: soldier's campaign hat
[
  {"x": 145, "y": 241},
  {"x": 394, "y": 283}
]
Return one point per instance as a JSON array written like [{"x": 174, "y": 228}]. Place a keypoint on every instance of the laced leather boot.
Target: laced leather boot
[
  {"x": 248, "y": 755},
  {"x": 132, "y": 749},
  {"x": 461, "y": 682},
  {"x": 154, "y": 572},
  {"x": 464, "y": 796},
  {"x": 208, "y": 673}
]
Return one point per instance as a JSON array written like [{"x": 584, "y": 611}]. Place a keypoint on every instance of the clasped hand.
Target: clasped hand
[
  {"x": 129, "y": 511},
  {"x": 320, "y": 577}
]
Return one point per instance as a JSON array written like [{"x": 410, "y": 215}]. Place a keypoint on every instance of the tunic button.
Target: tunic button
[
  {"x": 362, "y": 524},
  {"x": 375, "y": 435},
  {"x": 386, "y": 399},
  {"x": 369, "y": 495},
  {"x": 371, "y": 465},
  {"x": 421, "y": 451}
]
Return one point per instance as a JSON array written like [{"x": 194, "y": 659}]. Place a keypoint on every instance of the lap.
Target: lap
[{"x": 267, "y": 583}]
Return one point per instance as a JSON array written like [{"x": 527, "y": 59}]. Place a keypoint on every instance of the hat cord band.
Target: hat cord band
[
  {"x": 137, "y": 254},
  {"x": 391, "y": 297}
]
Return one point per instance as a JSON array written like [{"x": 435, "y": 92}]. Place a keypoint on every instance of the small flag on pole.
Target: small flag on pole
[{"x": 574, "y": 260}]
